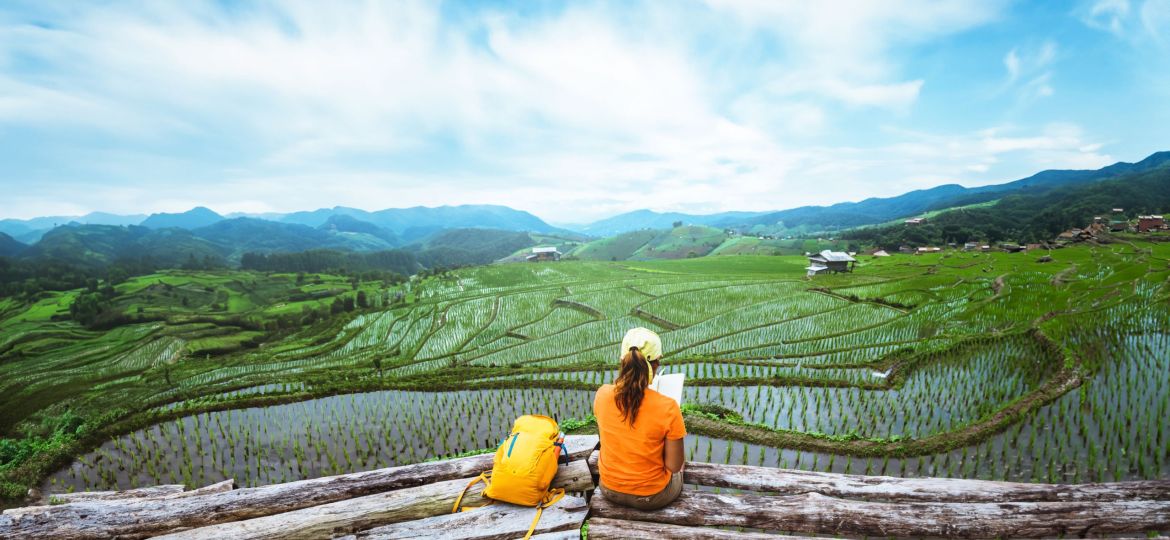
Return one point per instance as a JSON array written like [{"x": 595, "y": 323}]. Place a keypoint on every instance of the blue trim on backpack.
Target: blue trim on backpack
[{"x": 513, "y": 445}]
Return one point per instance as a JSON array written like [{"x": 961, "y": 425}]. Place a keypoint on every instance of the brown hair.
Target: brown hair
[{"x": 631, "y": 383}]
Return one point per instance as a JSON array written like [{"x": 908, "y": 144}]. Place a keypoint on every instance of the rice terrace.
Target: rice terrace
[{"x": 988, "y": 367}]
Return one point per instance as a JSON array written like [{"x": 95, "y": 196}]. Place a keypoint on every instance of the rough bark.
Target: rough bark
[
  {"x": 140, "y": 493},
  {"x": 815, "y": 513},
  {"x": 603, "y": 529},
  {"x": 363, "y": 513},
  {"x": 499, "y": 521},
  {"x": 893, "y": 489},
  {"x": 138, "y": 518}
]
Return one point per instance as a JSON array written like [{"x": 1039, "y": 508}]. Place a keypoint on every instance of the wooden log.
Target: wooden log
[
  {"x": 363, "y": 513},
  {"x": 818, "y": 514},
  {"x": 604, "y": 528},
  {"x": 139, "y": 493},
  {"x": 499, "y": 521},
  {"x": 138, "y": 518},
  {"x": 218, "y": 487},
  {"x": 894, "y": 489}
]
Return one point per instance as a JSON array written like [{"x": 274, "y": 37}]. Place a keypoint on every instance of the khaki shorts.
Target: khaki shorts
[{"x": 647, "y": 502}]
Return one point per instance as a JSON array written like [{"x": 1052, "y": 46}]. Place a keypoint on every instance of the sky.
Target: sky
[{"x": 574, "y": 111}]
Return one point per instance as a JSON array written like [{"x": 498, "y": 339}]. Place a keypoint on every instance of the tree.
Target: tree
[
  {"x": 363, "y": 301},
  {"x": 676, "y": 224}
]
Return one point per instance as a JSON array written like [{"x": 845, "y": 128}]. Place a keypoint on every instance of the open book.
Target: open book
[{"x": 670, "y": 385}]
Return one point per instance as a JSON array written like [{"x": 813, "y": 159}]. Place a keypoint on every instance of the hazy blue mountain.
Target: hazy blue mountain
[
  {"x": 192, "y": 219},
  {"x": 879, "y": 210},
  {"x": 399, "y": 220},
  {"x": 318, "y": 217},
  {"x": 242, "y": 235},
  {"x": 344, "y": 223},
  {"x": 9, "y": 247},
  {"x": 29, "y": 231},
  {"x": 649, "y": 219}
]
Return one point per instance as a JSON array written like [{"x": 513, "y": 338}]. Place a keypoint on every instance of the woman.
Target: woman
[{"x": 641, "y": 430}]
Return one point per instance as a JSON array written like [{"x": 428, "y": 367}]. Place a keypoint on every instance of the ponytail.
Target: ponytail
[{"x": 630, "y": 386}]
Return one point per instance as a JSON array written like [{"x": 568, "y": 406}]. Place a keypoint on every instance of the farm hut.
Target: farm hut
[
  {"x": 544, "y": 254},
  {"x": 1150, "y": 223},
  {"x": 830, "y": 261},
  {"x": 880, "y": 253},
  {"x": 1031, "y": 247},
  {"x": 970, "y": 246},
  {"x": 915, "y": 221},
  {"x": 1118, "y": 225},
  {"x": 928, "y": 249}
]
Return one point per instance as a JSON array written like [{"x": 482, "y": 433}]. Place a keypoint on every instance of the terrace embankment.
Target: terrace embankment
[{"x": 416, "y": 500}]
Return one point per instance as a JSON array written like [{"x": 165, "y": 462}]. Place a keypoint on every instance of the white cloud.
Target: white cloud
[
  {"x": 1107, "y": 15},
  {"x": 574, "y": 115}
]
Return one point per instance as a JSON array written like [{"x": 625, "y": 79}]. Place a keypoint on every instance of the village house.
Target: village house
[
  {"x": 1031, "y": 247},
  {"x": 544, "y": 254},
  {"x": 830, "y": 261},
  {"x": 1150, "y": 223},
  {"x": 970, "y": 246},
  {"x": 928, "y": 249},
  {"x": 915, "y": 221}
]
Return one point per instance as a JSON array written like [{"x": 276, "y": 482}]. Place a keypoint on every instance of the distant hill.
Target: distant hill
[
  {"x": 99, "y": 245},
  {"x": 672, "y": 243},
  {"x": 344, "y": 223},
  {"x": 1035, "y": 215},
  {"x": 459, "y": 247},
  {"x": 879, "y": 210},
  {"x": 192, "y": 219},
  {"x": 425, "y": 220},
  {"x": 9, "y": 247},
  {"x": 649, "y": 219},
  {"x": 242, "y": 235},
  {"x": 29, "y": 231}
]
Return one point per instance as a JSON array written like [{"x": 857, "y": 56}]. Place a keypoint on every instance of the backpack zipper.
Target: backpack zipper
[{"x": 513, "y": 445}]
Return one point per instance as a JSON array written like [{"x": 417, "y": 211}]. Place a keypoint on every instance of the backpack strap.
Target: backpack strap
[
  {"x": 550, "y": 498},
  {"x": 483, "y": 477}
]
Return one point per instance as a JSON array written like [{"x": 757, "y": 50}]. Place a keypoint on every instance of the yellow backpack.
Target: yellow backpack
[{"x": 524, "y": 466}]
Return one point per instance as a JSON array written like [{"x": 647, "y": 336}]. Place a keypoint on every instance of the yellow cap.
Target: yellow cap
[{"x": 645, "y": 340}]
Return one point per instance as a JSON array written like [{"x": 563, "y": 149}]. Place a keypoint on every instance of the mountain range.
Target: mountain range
[{"x": 472, "y": 234}]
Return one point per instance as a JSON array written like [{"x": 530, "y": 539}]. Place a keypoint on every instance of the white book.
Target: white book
[{"x": 670, "y": 385}]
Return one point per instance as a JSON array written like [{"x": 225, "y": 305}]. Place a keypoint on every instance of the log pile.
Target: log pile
[
  {"x": 719, "y": 502},
  {"x": 358, "y": 503}
]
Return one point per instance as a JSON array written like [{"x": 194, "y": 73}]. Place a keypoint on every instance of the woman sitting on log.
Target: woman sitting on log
[{"x": 641, "y": 430}]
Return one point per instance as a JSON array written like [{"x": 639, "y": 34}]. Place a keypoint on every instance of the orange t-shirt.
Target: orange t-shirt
[{"x": 631, "y": 459}]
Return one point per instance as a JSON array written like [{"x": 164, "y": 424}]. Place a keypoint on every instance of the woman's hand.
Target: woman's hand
[{"x": 673, "y": 455}]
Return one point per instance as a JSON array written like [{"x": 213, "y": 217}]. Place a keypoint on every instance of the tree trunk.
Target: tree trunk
[
  {"x": 893, "y": 489},
  {"x": 138, "y": 518},
  {"x": 604, "y": 529},
  {"x": 140, "y": 493},
  {"x": 815, "y": 513},
  {"x": 362, "y": 513},
  {"x": 499, "y": 521}
]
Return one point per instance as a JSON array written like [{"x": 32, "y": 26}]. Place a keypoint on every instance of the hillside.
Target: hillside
[
  {"x": 100, "y": 245},
  {"x": 649, "y": 219},
  {"x": 676, "y": 243},
  {"x": 344, "y": 223},
  {"x": 1034, "y": 217},
  {"x": 463, "y": 247},
  {"x": 9, "y": 247}
]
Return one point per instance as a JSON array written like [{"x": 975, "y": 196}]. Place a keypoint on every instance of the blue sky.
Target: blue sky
[{"x": 573, "y": 111}]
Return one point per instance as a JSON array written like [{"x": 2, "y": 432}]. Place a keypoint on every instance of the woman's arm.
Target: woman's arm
[{"x": 672, "y": 455}]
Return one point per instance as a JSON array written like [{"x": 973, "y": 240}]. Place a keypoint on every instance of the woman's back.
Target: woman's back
[{"x": 631, "y": 458}]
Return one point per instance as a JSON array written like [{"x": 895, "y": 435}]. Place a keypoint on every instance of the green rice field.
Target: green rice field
[{"x": 977, "y": 365}]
